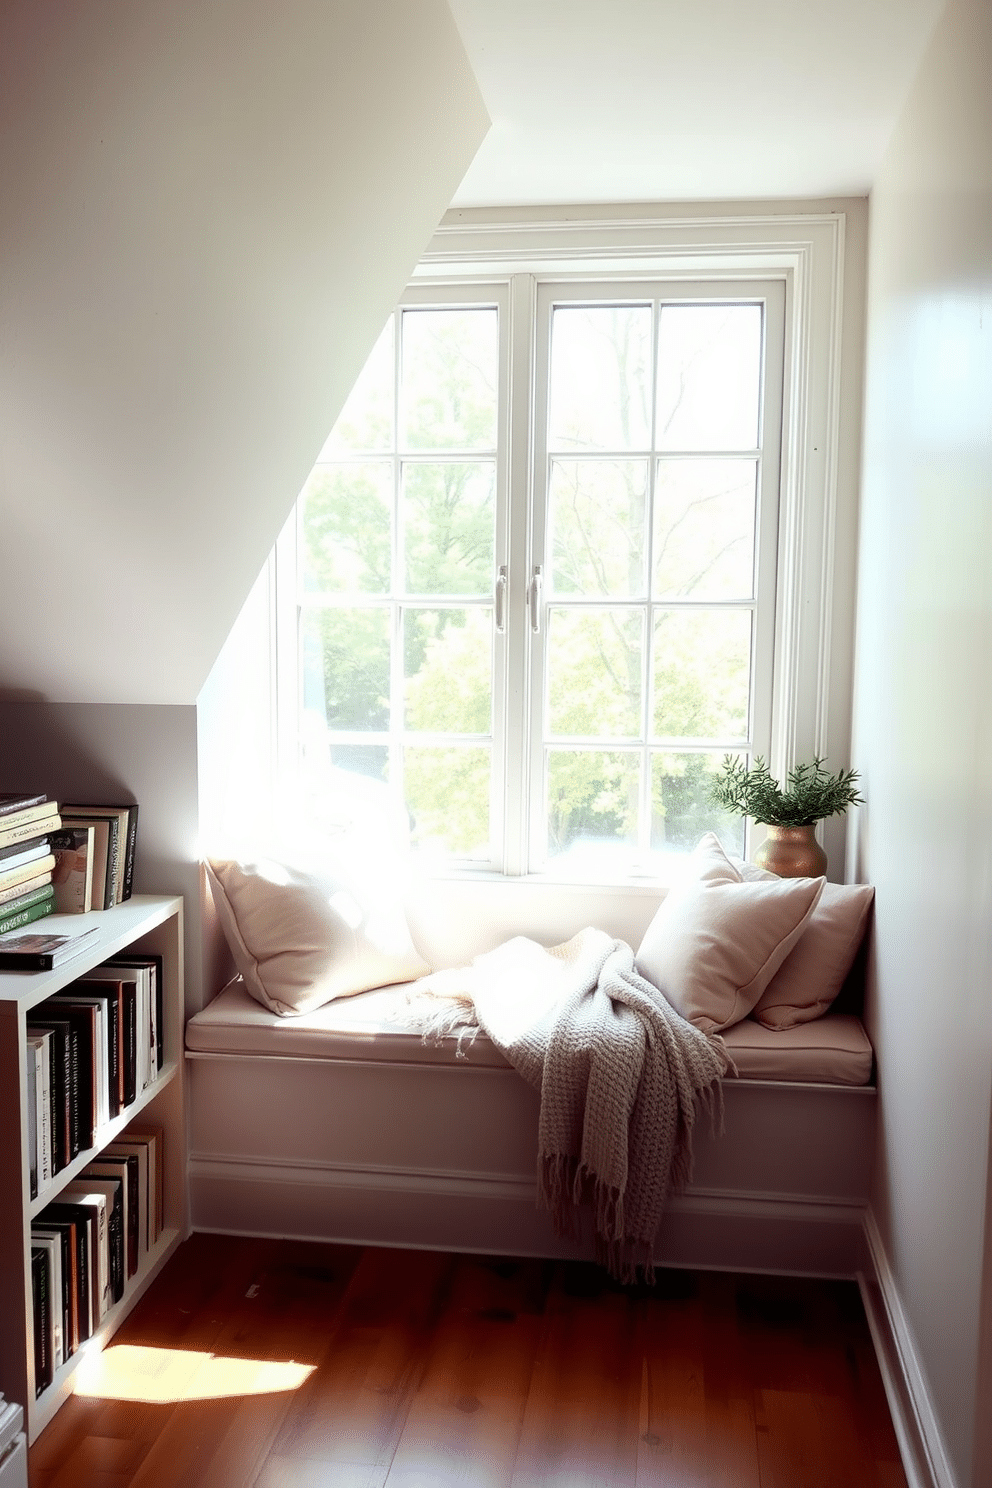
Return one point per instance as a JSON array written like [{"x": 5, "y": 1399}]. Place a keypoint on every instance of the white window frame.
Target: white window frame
[{"x": 803, "y": 251}]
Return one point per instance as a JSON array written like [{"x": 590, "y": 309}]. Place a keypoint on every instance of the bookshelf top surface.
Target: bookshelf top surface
[{"x": 118, "y": 927}]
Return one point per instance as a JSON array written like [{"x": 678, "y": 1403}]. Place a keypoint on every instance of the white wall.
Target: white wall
[
  {"x": 923, "y": 720},
  {"x": 209, "y": 207}
]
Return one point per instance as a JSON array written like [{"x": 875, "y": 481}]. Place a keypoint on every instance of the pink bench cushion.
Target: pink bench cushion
[{"x": 833, "y": 1050}]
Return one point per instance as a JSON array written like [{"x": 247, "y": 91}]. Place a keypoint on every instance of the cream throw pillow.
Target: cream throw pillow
[
  {"x": 716, "y": 942},
  {"x": 301, "y": 938},
  {"x": 813, "y": 973}
]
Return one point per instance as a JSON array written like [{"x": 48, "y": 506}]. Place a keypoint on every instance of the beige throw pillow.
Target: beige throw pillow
[
  {"x": 301, "y": 938},
  {"x": 813, "y": 973},
  {"x": 716, "y": 942}
]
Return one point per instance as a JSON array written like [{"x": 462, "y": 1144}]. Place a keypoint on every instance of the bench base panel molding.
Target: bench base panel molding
[
  {"x": 444, "y": 1156},
  {"x": 500, "y": 1216}
]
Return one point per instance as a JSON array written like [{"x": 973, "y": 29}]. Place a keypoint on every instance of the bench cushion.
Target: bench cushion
[{"x": 833, "y": 1050}]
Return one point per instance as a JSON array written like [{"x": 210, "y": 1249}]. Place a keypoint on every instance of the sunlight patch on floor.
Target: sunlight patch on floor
[{"x": 162, "y": 1376}]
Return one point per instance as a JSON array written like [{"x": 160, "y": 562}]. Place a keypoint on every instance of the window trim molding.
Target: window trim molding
[{"x": 807, "y": 251}]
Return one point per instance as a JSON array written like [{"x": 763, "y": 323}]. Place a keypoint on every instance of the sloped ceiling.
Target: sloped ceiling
[
  {"x": 208, "y": 208},
  {"x": 664, "y": 100}
]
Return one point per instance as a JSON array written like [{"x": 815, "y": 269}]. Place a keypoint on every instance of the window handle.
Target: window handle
[
  {"x": 501, "y": 599},
  {"x": 534, "y": 597}
]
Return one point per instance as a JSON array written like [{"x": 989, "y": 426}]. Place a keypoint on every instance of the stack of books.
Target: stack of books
[
  {"x": 96, "y": 856},
  {"x": 67, "y": 859},
  {"x": 12, "y": 1447},
  {"x": 27, "y": 861},
  {"x": 88, "y": 1245}
]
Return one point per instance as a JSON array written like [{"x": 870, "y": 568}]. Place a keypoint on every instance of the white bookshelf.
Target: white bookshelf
[{"x": 143, "y": 923}]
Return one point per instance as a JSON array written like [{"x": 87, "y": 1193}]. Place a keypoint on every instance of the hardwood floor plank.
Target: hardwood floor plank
[
  {"x": 583, "y": 1407},
  {"x": 282, "y": 1364},
  {"x": 464, "y": 1423}
]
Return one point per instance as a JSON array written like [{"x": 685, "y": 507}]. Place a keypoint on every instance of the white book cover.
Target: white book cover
[
  {"x": 43, "y": 1107},
  {"x": 52, "y": 1246},
  {"x": 31, "y": 1055}
]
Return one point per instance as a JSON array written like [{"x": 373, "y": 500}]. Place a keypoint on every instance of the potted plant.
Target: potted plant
[{"x": 790, "y": 812}]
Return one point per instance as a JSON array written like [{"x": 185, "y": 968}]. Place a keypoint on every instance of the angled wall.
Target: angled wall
[
  {"x": 923, "y": 729},
  {"x": 208, "y": 209}
]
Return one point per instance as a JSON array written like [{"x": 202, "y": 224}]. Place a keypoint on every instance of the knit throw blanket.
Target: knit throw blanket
[{"x": 618, "y": 1070}]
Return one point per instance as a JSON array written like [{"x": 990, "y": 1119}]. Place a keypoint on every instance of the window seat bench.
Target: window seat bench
[{"x": 343, "y": 1125}]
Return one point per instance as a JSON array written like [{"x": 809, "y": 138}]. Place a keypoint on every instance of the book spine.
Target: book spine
[
  {"x": 20, "y": 832},
  {"x": 25, "y": 872},
  {"x": 32, "y": 1073},
  {"x": 42, "y": 1321},
  {"x": 129, "y": 850},
  {"x": 25, "y": 916},
  {"x": 18, "y": 895}
]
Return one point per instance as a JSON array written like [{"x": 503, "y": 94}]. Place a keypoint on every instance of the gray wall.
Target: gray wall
[
  {"x": 209, "y": 207},
  {"x": 923, "y": 718}
]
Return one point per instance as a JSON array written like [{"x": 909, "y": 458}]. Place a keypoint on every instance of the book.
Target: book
[
  {"x": 70, "y": 998},
  {"x": 33, "y": 1059},
  {"x": 83, "y": 1019},
  {"x": 155, "y": 966},
  {"x": 64, "y": 1074},
  {"x": 66, "y": 1236},
  {"x": 37, "y": 952},
  {"x": 23, "y": 852},
  {"x": 111, "y": 993},
  {"x": 40, "y": 1046},
  {"x": 101, "y": 876},
  {"x": 139, "y": 1150},
  {"x": 11, "y": 877},
  {"x": 119, "y": 821},
  {"x": 72, "y": 869},
  {"x": 124, "y": 1166},
  {"x": 81, "y": 1195},
  {"x": 51, "y": 1243},
  {"x": 112, "y": 1185},
  {"x": 21, "y": 804},
  {"x": 13, "y": 829},
  {"x": 41, "y": 1309},
  {"x": 14, "y": 897},
  {"x": 11, "y": 1423},
  {"x": 22, "y": 917},
  {"x": 151, "y": 1138},
  {"x": 82, "y": 1222}
]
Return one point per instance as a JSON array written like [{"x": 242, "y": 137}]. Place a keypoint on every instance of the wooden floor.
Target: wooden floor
[{"x": 423, "y": 1369}]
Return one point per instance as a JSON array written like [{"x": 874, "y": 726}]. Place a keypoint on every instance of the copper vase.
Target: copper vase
[{"x": 792, "y": 852}]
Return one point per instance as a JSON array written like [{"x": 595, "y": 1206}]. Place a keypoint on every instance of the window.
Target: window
[{"x": 531, "y": 585}]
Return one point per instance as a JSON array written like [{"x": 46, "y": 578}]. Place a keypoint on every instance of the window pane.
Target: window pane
[
  {"x": 702, "y": 674},
  {"x": 346, "y": 529},
  {"x": 681, "y": 809},
  {"x": 592, "y": 798},
  {"x": 447, "y": 794},
  {"x": 594, "y": 672},
  {"x": 366, "y": 421},
  {"x": 370, "y": 761},
  {"x": 600, "y": 396},
  {"x": 449, "y": 379},
  {"x": 346, "y": 653},
  {"x": 448, "y": 670},
  {"x": 597, "y": 526},
  {"x": 704, "y": 514},
  {"x": 709, "y": 371},
  {"x": 448, "y": 526}
]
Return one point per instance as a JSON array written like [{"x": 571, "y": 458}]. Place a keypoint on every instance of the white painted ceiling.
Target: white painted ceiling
[{"x": 686, "y": 100}]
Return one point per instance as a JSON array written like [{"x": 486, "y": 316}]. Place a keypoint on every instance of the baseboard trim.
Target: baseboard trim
[
  {"x": 920, "y": 1440},
  {"x": 497, "y": 1213}
]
